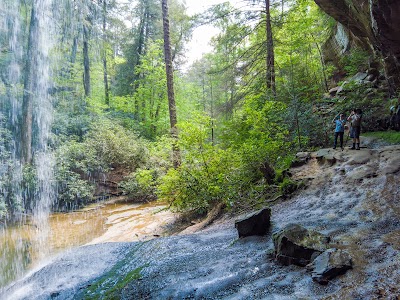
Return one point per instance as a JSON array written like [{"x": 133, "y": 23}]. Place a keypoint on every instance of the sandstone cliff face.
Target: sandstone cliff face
[{"x": 375, "y": 25}]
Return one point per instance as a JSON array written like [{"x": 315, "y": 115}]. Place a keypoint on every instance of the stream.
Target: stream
[{"x": 112, "y": 221}]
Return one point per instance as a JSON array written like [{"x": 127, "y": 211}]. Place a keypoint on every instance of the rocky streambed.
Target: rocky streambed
[{"x": 351, "y": 196}]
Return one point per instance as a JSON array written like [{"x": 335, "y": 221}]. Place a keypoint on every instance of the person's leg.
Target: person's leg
[
  {"x": 357, "y": 135},
  {"x": 335, "y": 140},
  {"x": 353, "y": 136},
  {"x": 341, "y": 134}
]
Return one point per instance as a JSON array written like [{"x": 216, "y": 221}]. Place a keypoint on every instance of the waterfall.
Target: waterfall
[{"x": 26, "y": 162}]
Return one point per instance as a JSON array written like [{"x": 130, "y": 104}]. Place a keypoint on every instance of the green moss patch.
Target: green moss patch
[
  {"x": 391, "y": 137},
  {"x": 110, "y": 285}
]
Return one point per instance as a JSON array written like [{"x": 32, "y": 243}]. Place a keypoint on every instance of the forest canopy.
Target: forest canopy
[{"x": 242, "y": 111}]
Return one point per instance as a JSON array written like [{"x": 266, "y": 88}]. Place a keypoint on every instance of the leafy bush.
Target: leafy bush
[
  {"x": 208, "y": 174},
  {"x": 79, "y": 164},
  {"x": 115, "y": 146},
  {"x": 140, "y": 184}
]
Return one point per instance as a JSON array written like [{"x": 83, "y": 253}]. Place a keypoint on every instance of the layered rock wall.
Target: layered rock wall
[{"x": 374, "y": 25}]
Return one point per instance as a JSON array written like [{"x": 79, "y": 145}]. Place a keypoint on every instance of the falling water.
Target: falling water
[{"x": 27, "y": 191}]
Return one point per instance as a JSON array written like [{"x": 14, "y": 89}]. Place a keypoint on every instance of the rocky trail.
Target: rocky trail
[{"x": 351, "y": 196}]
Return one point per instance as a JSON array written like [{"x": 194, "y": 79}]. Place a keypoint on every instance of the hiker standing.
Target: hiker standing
[
  {"x": 355, "y": 120},
  {"x": 339, "y": 129}
]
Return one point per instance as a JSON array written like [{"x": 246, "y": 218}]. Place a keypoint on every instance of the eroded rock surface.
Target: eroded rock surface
[{"x": 373, "y": 25}]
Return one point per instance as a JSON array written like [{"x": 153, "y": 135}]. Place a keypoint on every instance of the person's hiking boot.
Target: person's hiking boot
[
  {"x": 358, "y": 147},
  {"x": 342, "y": 148},
  {"x": 354, "y": 147}
]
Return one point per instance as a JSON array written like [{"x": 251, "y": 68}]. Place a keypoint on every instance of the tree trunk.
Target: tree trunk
[
  {"x": 170, "y": 84},
  {"x": 270, "y": 50},
  {"x": 29, "y": 89},
  {"x": 106, "y": 88},
  {"x": 86, "y": 62}
]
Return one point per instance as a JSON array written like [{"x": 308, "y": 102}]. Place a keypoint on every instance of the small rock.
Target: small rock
[
  {"x": 256, "y": 223},
  {"x": 325, "y": 155},
  {"x": 300, "y": 159},
  {"x": 329, "y": 264},
  {"x": 332, "y": 92},
  {"x": 359, "y": 77},
  {"x": 297, "y": 245}
]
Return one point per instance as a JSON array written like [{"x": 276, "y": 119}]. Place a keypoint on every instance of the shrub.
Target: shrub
[
  {"x": 79, "y": 164},
  {"x": 140, "y": 184}
]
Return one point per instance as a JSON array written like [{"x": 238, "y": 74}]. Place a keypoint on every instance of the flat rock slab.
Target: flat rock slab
[
  {"x": 331, "y": 263},
  {"x": 390, "y": 160},
  {"x": 359, "y": 157},
  {"x": 362, "y": 173},
  {"x": 256, "y": 223}
]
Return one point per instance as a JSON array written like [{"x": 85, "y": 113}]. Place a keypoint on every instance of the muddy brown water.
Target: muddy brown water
[{"x": 23, "y": 247}]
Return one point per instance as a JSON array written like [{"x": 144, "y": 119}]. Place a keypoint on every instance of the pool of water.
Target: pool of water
[{"x": 23, "y": 246}]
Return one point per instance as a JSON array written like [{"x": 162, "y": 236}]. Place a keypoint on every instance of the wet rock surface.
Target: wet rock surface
[
  {"x": 297, "y": 245},
  {"x": 256, "y": 223},
  {"x": 329, "y": 264},
  {"x": 362, "y": 218}
]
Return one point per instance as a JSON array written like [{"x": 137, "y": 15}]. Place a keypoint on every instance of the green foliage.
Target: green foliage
[
  {"x": 105, "y": 147},
  {"x": 288, "y": 186},
  {"x": 390, "y": 137},
  {"x": 208, "y": 175},
  {"x": 114, "y": 146},
  {"x": 355, "y": 61},
  {"x": 140, "y": 184},
  {"x": 72, "y": 163},
  {"x": 368, "y": 99}
]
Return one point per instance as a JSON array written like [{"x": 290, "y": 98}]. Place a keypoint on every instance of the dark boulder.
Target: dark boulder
[
  {"x": 256, "y": 223},
  {"x": 331, "y": 263},
  {"x": 297, "y": 245}
]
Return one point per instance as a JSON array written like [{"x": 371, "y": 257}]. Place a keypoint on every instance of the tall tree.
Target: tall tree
[
  {"x": 105, "y": 72},
  {"x": 86, "y": 60},
  {"x": 270, "y": 49},
  {"x": 30, "y": 81},
  {"x": 170, "y": 83}
]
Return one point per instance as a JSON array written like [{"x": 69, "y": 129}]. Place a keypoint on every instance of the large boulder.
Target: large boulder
[
  {"x": 297, "y": 245},
  {"x": 331, "y": 263},
  {"x": 256, "y": 223}
]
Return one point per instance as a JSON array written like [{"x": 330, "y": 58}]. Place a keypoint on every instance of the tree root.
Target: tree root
[{"x": 211, "y": 217}]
